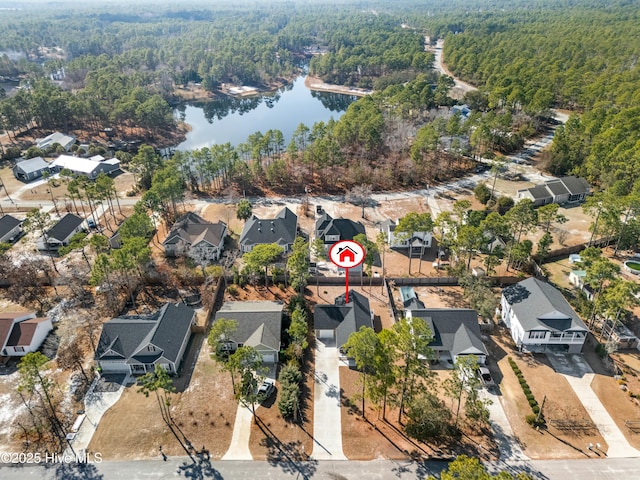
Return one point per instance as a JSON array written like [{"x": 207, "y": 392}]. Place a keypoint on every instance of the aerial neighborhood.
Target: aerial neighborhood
[{"x": 443, "y": 272}]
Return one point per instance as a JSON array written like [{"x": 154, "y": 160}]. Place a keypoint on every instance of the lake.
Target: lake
[{"x": 234, "y": 119}]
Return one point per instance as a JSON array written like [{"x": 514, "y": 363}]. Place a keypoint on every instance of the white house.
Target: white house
[
  {"x": 66, "y": 141},
  {"x": 136, "y": 344},
  {"x": 417, "y": 240},
  {"x": 541, "y": 319},
  {"x": 560, "y": 190},
  {"x": 10, "y": 228},
  {"x": 89, "y": 167},
  {"x": 22, "y": 333},
  {"x": 576, "y": 278},
  {"x": 60, "y": 234}
]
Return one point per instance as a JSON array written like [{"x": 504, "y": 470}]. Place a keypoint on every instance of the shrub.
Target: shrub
[
  {"x": 233, "y": 290},
  {"x": 533, "y": 420},
  {"x": 529, "y": 397},
  {"x": 535, "y": 409}
]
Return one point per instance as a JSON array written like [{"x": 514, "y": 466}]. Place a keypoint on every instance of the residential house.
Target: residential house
[
  {"x": 280, "y": 230},
  {"x": 463, "y": 110},
  {"x": 89, "y": 167},
  {"x": 456, "y": 332},
  {"x": 194, "y": 236},
  {"x": 259, "y": 325},
  {"x": 560, "y": 190},
  {"x": 576, "y": 278},
  {"x": 22, "y": 333},
  {"x": 136, "y": 344},
  {"x": 27, "y": 170},
  {"x": 65, "y": 141},
  {"x": 335, "y": 323},
  {"x": 541, "y": 319},
  {"x": 400, "y": 240},
  {"x": 332, "y": 230},
  {"x": 10, "y": 229},
  {"x": 60, "y": 234}
]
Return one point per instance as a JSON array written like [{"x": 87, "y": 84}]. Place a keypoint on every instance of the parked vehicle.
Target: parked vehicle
[
  {"x": 485, "y": 377},
  {"x": 266, "y": 390}
]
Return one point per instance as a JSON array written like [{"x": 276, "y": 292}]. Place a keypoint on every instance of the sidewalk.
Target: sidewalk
[{"x": 327, "y": 426}]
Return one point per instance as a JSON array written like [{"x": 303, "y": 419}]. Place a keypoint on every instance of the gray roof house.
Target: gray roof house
[
  {"x": 456, "y": 332},
  {"x": 10, "y": 228},
  {"x": 135, "y": 344},
  {"x": 541, "y": 319},
  {"x": 280, "y": 230},
  {"x": 332, "y": 230},
  {"x": 27, "y": 170},
  {"x": 66, "y": 141},
  {"x": 336, "y": 322},
  {"x": 259, "y": 325},
  {"x": 194, "y": 236},
  {"x": 560, "y": 190},
  {"x": 60, "y": 234}
]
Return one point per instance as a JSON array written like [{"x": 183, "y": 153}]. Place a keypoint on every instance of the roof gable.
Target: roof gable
[
  {"x": 540, "y": 306},
  {"x": 65, "y": 227},
  {"x": 281, "y": 229},
  {"x": 454, "y": 330},
  {"x": 258, "y": 322}
]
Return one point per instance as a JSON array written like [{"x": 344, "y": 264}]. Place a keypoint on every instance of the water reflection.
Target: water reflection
[{"x": 232, "y": 119}]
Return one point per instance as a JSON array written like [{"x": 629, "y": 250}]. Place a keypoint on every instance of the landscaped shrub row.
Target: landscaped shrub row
[{"x": 532, "y": 419}]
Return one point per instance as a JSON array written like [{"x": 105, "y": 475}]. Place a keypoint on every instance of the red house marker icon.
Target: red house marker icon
[{"x": 346, "y": 255}]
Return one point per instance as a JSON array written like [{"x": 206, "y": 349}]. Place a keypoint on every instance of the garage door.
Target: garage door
[
  {"x": 324, "y": 333},
  {"x": 268, "y": 357}
]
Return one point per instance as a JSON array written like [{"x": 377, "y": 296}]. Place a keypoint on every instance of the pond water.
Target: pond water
[{"x": 234, "y": 119}]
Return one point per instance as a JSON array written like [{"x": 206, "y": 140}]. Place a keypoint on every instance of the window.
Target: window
[
  {"x": 151, "y": 348},
  {"x": 19, "y": 349},
  {"x": 537, "y": 335}
]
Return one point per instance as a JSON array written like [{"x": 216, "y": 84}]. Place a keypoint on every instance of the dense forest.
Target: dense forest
[{"x": 83, "y": 68}]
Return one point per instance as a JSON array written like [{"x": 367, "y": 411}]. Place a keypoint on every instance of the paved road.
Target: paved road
[
  {"x": 611, "y": 469},
  {"x": 327, "y": 426}
]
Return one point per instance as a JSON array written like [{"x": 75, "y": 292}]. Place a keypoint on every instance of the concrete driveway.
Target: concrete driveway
[
  {"x": 327, "y": 426},
  {"x": 102, "y": 395},
  {"x": 507, "y": 444},
  {"x": 578, "y": 373}
]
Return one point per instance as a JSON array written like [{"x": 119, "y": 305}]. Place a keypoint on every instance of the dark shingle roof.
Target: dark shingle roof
[
  {"x": 557, "y": 187},
  {"x": 345, "y": 228},
  {"x": 166, "y": 329},
  {"x": 454, "y": 330},
  {"x": 540, "y": 306},
  {"x": 258, "y": 322},
  {"x": 343, "y": 318},
  {"x": 193, "y": 229},
  {"x": 280, "y": 230},
  {"x": 8, "y": 223},
  {"x": 576, "y": 185},
  {"x": 61, "y": 230},
  {"x": 540, "y": 192}
]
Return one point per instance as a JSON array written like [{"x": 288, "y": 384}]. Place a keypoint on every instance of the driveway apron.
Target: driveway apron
[
  {"x": 239, "y": 447},
  {"x": 507, "y": 444}
]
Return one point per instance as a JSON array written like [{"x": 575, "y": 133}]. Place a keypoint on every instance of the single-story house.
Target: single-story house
[
  {"x": 576, "y": 278},
  {"x": 136, "y": 344},
  {"x": 541, "y": 319},
  {"x": 89, "y": 167},
  {"x": 417, "y": 240},
  {"x": 337, "y": 322},
  {"x": 27, "y": 170},
  {"x": 10, "y": 228},
  {"x": 280, "y": 230},
  {"x": 66, "y": 141},
  {"x": 259, "y": 325},
  {"x": 60, "y": 234},
  {"x": 22, "y": 333},
  {"x": 456, "y": 332},
  {"x": 194, "y": 236},
  {"x": 560, "y": 190}
]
